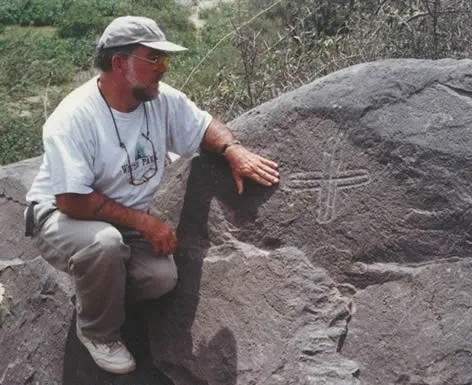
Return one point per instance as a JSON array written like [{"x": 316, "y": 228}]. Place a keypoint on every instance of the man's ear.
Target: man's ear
[{"x": 117, "y": 63}]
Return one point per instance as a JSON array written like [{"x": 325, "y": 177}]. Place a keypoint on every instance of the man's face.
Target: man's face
[{"x": 144, "y": 71}]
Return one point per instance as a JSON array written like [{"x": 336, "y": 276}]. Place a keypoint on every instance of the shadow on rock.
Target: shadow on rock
[
  {"x": 220, "y": 359},
  {"x": 187, "y": 361}
]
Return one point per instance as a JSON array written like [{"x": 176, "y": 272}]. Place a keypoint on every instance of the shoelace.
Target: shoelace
[{"x": 108, "y": 347}]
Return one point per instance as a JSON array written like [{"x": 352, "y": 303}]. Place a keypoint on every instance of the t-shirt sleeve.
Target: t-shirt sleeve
[
  {"x": 187, "y": 125},
  {"x": 70, "y": 159}
]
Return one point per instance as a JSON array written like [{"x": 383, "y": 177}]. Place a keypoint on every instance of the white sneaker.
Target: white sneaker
[{"x": 113, "y": 357}]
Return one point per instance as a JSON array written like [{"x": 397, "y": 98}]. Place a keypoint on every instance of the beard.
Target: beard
[{"x": 141, "y": 94}]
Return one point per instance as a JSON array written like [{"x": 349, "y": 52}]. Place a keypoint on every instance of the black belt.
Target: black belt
[{"x": 29, "y": 220}]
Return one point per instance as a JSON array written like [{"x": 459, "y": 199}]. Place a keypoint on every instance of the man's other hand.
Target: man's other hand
[
  {"x": 246, "y": 164},
  {"x": 158, "y": 234}
]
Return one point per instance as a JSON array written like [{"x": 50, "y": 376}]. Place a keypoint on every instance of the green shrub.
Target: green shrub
[
  {"x": 21, "y": 137},
  {"x": 80, "y": 20},
  {"x": 9, "y": 12},
  {"x": 40, "y": 12},
  {"x": 113, "y": 7},
  {"x": 41, "y": 60}
]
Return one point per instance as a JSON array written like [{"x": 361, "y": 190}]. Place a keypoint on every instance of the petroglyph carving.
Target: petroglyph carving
[{"x": 329, "y": 180}]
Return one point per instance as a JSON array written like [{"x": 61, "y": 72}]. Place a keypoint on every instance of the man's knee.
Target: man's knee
[
  {"x": 159, "y": 280},
  {"x": 164, "y": 281},
  {"x": 106, "y": 250},
  {"x": 109, "y": 242}
]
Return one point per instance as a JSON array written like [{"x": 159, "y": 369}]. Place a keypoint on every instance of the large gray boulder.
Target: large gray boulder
[
  {"x": 354, "y": 270},
  {"x": 373, "y": 204}
]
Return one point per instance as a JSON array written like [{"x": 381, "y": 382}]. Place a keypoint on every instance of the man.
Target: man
[{"x": 105, "y": 146}]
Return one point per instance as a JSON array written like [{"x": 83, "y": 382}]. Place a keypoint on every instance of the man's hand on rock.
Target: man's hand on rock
[
  {"x": 246, "y": 164},
  {"x": 158, "y": 234}
]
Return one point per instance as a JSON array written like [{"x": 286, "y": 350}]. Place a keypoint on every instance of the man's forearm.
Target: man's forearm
[
  {"x": 96, "y": 206},
  {"x": 216, "y": 136}
]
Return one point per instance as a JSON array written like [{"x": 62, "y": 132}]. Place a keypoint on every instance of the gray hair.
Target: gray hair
[{"x": 103, "y": 56}]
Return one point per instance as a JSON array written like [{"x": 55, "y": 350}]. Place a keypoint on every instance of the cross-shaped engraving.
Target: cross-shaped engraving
[{"x": 329, "y": 180}]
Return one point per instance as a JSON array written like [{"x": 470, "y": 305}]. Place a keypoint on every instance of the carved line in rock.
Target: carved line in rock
[{"x": 329, "y": 180}]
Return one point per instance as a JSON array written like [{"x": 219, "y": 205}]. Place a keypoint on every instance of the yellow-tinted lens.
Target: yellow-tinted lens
[
  {"x": 158, "y": 62},
  {"x": 164, "y": 60},
  {"x": 161, "y": 63}
]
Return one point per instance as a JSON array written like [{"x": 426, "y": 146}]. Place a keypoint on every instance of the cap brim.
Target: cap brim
[{"x": 165, "y": 46}]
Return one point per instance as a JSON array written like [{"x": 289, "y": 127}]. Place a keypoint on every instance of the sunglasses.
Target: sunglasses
[{"x": 159, "y": 63}]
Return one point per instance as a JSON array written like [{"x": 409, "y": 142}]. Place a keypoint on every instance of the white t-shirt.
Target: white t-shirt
[{"x": 83, "y": 153}]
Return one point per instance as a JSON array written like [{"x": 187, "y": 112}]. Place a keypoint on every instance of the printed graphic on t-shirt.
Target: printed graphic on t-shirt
[
  {"x": 139, "y": 152},
  {"x": 144, "y": 166}
]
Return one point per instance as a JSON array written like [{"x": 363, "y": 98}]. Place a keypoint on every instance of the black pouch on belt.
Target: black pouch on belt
[{"x": 29, "y": 219}]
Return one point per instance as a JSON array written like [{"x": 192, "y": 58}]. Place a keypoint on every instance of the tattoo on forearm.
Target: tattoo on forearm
[{"x": 98, "y": 210}]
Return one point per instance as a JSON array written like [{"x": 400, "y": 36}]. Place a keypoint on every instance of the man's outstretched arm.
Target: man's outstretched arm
[{"x": 244, "y": 163}]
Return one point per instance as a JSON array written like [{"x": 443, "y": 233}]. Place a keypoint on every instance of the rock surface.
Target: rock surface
[
  {"x": 416, "y": 330},
  {"x": 354, "y": 270},
  {"x": 15, "y": 180},
  {"x": 33, "y": 335}
]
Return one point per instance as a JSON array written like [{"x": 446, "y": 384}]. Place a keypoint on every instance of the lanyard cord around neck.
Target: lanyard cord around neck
[{"x": 122, "y": 145}]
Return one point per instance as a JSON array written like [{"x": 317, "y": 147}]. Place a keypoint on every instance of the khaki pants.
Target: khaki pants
[{"x": 107, "y": 265}]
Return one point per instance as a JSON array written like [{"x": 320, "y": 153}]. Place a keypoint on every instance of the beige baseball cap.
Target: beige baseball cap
[{"x": 136, "y": 30}]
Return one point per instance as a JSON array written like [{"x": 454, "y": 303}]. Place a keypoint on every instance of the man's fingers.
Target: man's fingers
[
  {"x": 239, "y": 182},
  {"x": 157, "y": 247},
  {"x": 172, "y": 244},
  {"x": 264, "y": 180},
  {"x": 261, "y": 177},
  {"x": 165, "y": 248},
  {"x": 268, "y": 176},
  {"x": 240, "y": 185},
  {"x": 164, "y": 244},
  {"x": 270, "y": 163},
  {"x": 269, "y": 173},
  {"x": 169, "y": 244}
]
